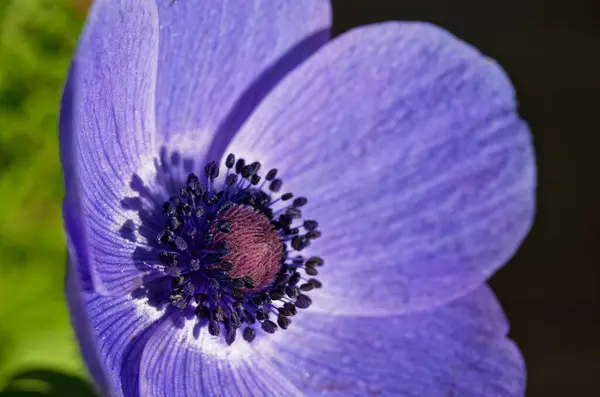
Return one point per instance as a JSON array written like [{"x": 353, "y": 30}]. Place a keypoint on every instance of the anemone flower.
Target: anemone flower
[{"x": 253, "y": 209}]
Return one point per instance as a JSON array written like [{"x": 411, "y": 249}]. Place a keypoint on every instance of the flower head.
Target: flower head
[{"x": 253, "y": 209}]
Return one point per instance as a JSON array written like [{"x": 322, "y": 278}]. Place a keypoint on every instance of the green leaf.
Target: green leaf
[{"x": 37, "y": 40}]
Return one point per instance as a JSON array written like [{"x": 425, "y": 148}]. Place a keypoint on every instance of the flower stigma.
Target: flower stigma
[{"x": 232, "y": 257}]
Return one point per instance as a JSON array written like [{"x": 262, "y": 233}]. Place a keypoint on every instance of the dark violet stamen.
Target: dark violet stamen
[
  {"x": 275, "y": 186},
  {"x": 239, "y": 165},
  {"x": 213, "y": 328},
  {"x": 283, "y": 322},
  {"x": 232, "y": 249},
  {"x": 315, "y": 283},
  {"x": 311, "y": 271},
  {"x": 314, "y": 261},
  {"x": 255, "y": 179},
  {"x": 303, "y": 301},
  {"x": 230, "y": 161},
  {"x": 231, "y": 180},
  {"x": 294, "y": 279},
  {"x": 255, "y": 167},
  {"x": 300, "y": 201},
  {"x": 230, "y": 337},
  {"x": 272, "y": 174},
  {"x": 249, "y": 334},
  {"x": 269, "y": 326},
  {"x": 284, "y": 312},
  {"x": 310, "y": 225},
  {"x": 290, "y": 307}
]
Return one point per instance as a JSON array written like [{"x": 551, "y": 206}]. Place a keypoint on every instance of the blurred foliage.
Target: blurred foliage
[
  {"x": 37, "y": 39},
  {"x": 46, "y": 383}
]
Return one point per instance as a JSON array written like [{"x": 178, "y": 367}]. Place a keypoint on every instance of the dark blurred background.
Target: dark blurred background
[{"x": 549, "y": 290}]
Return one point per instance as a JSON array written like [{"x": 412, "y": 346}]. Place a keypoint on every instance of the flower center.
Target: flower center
[
  {"x": 255, "y": 247},
  {"x": 232, "y": 250}
]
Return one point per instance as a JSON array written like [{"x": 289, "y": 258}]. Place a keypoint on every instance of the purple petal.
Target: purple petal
[
  {"x": 456, "y": 350},
  {"x": 107, "y": 133},
  {"x": 205, "y": 66},
  {"x": 218, "y": 59},
  {"x": 183, "y": 360},
  {"x": 416, "y": 165},
  {"x": 85, "y": 335},
  {"x": 111, "y": 332}
]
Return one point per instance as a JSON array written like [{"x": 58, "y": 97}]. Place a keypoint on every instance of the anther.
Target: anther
[
  {"x": 174, "y": 223},
  {"x": 202, "y": 311},
  {"x": 291, "y": 308},
  {"x": 269, "y": 326},
  {"x": 200, "y": 298},
  {"x": 303, "y": 301},
  {"x": 266, "y": 298},
  {"x": 246, "y": 171},
  {"x": 262, "y": 314},
  {"x": 313, "y": 234},
  {"x": 248, "y": 282},
  {"x": 284, "y": 312},
  {"x": 167, "y": 257},
  {"x": 224, "y": 226},
  {"x": 231, "y": 180},
  {"x": 310, "y": 225},
  {"x": 254, "y": 180},
  {"x": 291, "y": 292},
  {"x": 180, "y": 243},
  {"x": 300, "y": 201},
  {"x": 186, "y": 210},
  {"x": 214, "y": 283},
  {"x": 230, "y": 161},
  {"x": 189, "y": 289},
  {"x": 173, "y": 271},
  {"x": 294, "y": 279},
  {"x": 213, "y": 328},
  {"x": 314, "y": 261},
  {"x": 255, "y": 167},
  {"x": 293, "y": 213},
  {"x": 238, "y": 283},
  {"x": 230, "y": 337},
  {"x": 249, "y": 334},
  {"x": 311, "y": 271},
  {"x": 277, "y": 294},
  {"x": 235, "y": 320},
  {"x": 239, "y": 165},
  {"x": 212, "y": 170},
  {"x": 299, "y": 243},
  {"x": 275, "y": 186},
  {"x": 283, "y": 322},
  {"x": 315, "y": 283},
  {"x": 272, "y": 174},
  {"x": 219, "y": 313}
]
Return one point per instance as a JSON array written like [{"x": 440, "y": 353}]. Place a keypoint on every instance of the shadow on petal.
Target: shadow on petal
[{"x": 261, "y": 86}]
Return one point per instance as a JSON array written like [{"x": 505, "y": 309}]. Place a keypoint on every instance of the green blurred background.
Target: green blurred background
[{"x": 37, "y": 39}]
